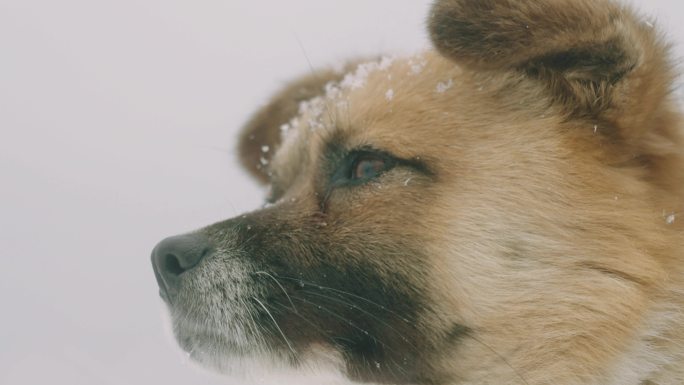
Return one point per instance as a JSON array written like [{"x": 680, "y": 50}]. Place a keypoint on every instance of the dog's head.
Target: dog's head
[{"x": 491, "y": 210}]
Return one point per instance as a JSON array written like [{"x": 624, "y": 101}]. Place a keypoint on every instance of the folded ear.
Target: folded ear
[
  {"x": 594, "y": 58},
  {"x": 261, "y": 135}
]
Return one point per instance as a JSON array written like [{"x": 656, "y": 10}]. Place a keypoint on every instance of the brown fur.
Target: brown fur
[{"x": 529, "y": 232}]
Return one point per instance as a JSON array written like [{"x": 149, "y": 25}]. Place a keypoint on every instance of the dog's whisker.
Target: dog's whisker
[
  {"x": 253, "y": 326},
  {"x": 313, "y": 284},
  {"x": 226, "y": 151},
  {"x": 394, "y": 363},
  {"x": 345, "y": 320},
  {"x": 500, "y": 357},
  {"x": 287, "y": 341},
  {"x": 306, "y": 56},
  {"x": 380, "y": 320},
  {"x": 294, "y": 309},
  {"x": 240, "y": 246},
  {"x": 333, "y": 340}
]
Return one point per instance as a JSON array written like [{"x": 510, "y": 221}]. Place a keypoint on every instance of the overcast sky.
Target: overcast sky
[{"x": 118, "y": 120}]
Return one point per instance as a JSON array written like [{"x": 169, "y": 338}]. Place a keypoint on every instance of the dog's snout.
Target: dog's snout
[{"x": 176, "y": 255}]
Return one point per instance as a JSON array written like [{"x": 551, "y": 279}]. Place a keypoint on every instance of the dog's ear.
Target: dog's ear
[
  {"x": 261, "y": 135},
  {"x": 594, "y": 58}
]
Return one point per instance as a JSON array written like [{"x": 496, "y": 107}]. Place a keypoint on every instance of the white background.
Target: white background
[{"x": 118, "y": 121}]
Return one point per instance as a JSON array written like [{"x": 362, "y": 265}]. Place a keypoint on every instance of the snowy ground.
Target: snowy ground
[{"x": 118, "y": 121}]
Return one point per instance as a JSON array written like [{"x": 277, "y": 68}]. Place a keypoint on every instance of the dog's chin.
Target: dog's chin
[{"x": 254, "y": 363}]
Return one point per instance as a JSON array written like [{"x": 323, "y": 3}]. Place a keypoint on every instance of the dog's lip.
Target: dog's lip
[
  {"x": 192, "y": 338},
  {"x": 163, "y": 288},
  {"x": 163, "y": 296}
]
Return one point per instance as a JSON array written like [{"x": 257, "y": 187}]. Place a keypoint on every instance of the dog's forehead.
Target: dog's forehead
[{"x": 371, "y": 106}]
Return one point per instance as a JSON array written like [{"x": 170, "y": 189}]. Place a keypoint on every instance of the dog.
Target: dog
[{"x": 503, "y": 208}]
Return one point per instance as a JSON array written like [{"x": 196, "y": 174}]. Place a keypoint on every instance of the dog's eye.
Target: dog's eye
[
  {"x": 361, "y": 166},
  {"x": 367, "y": 167}
]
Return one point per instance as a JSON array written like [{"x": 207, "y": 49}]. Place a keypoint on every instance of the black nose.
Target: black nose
[{"x": 174, "y": 256}]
